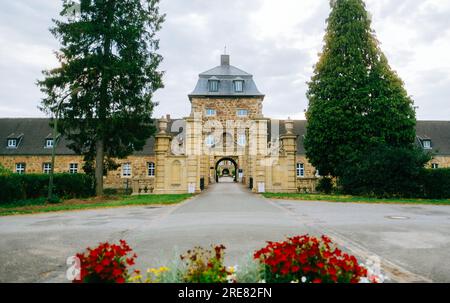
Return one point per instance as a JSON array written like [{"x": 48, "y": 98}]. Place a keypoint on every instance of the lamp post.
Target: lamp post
[{"x": 54, "y": 138}]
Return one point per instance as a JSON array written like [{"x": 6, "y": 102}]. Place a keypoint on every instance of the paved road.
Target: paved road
[{"x": 34, "y": 248}]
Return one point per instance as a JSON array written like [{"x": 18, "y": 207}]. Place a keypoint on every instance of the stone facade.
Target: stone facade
[{"x": 225, "y": 124}]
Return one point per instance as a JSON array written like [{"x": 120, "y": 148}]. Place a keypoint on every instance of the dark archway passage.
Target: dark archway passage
[{"x": 235, "y": 168}]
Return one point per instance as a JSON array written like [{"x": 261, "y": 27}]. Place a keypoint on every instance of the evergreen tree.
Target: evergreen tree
[
  {"x": 107, "y": 76},
  {"x": 355, "y": 99}
]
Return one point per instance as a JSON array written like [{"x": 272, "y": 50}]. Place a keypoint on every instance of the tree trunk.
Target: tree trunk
[{"x": 99, "y": 155}]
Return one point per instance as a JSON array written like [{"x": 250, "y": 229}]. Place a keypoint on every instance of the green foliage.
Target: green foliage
[
  {"x": 205, "y": 266},
  {"x": 4, "y": 171},
  {"x": 355, "y": 98},
  {"x": 436, "y": 183},
  {"x": 383, "y": 172},
  {"x": 325, "y": 185},
  {"x": 33, "y": 186},
  {"x": 107, "y": 76}
]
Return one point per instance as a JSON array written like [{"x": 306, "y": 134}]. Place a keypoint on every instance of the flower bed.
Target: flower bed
[{"x": 301, "y": 259}]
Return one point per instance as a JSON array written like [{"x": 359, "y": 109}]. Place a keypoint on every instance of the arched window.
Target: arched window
[
  {"x": 151, "y": 169},
  {"x": 300, "y": 170}
]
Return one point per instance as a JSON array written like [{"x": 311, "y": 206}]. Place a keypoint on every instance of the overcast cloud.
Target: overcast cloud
[{"x": 275, "y": 40}]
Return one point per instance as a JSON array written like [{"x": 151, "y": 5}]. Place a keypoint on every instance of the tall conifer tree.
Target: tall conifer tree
[
  {"x": 355, "y": 99},
  {"x": 107, "y": 76}
]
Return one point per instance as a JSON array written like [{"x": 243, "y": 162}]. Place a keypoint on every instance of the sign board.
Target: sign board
[{"x": 261, "y": 187}]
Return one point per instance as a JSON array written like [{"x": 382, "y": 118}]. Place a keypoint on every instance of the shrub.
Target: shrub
[
  {"x": 436, "y": 183},
  {"x": 4, "y": 171},
  {"x": 16, "y": 187},
  {"x": 384, "y": 172},
  {"x": 325, "y": 185},
  {"x": 306, "y": 259},
  {"x": 107, "y": 263},
  {"x": 205, "y": 266}
]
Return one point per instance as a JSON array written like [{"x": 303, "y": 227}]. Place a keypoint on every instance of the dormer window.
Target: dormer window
[
  {"x": 12, "y": 143},
  {"x": 238, "y": 86},
  {"x": 426, "y": 144},
  {"x": 213, "y": 85},
  {"x": 49, "y": 143}
]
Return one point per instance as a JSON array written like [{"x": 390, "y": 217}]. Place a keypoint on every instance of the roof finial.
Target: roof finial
[{"x": 225, "y": 50}]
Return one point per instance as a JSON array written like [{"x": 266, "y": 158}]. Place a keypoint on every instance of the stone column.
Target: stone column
[
  {"x": 162, "y": 149},
  {"x": 194, "y": 151},
  {"x": 289, "y": 144},
  {"x": 258, "y": 150}
]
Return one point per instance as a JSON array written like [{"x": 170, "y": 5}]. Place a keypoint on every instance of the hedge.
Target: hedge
[
  {"x": 31, "y": 186},
  {"x": 436, "y": 183}
]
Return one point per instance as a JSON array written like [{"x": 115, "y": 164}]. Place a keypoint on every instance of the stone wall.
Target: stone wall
[
  {"x": 139, "y": 178},
  {"x": 226, "y": 108}
]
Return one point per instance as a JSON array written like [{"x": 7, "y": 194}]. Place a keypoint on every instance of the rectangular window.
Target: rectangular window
[
  {"x": 151, "y": 169},
  {"x": 434, "y": 166},
  {"x": 210, "y": 112},
  {"x": 73, "y": 168},
  {"x": 49, "y": 143},
  {"x": 47, "y": 168},
  {"x": 12, "y": 143},
  {"x": 426, "y": 144},
  {"x": 242, "y": 140},
  {"x": 20, "y": 168},
  {"x": 242, "y": 113},
  {"x": 300, "y": 170},
  {"x": 213, "y": 85},
  {"x": 126, "y": 170},
  {"x": 210, "y": 141},
  {"x": 239, "y": 86}
]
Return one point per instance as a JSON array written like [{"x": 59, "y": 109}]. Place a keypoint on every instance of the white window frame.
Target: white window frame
[
  {"x": 20, "y": 168},
  {"x": 240, "y": 112},
  {"x": 434, "y": 165},
  {"x": 426, "y": 144},
  {"x": 49, "y": 143},
  {"x": 12, "y": 143},
  {"x": 151, "y": 169},
  {"x": 47, "y": 168},
  {"x": 73, "y": 168},
  {"x": 242, "y": 140},
  {"x": 300, "y": 170},
  {"x": 209, "y": 112},
  {"x": 238, "y": 86},
  {"x": 126, "y": 170},
  {"x": 213, "y": 86},
  {"x": 210, "y": 140}
]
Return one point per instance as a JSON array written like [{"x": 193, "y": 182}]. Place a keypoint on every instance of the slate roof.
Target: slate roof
[
  {"x": 226, "y": 74},
  {"x": 34, "y": 131}
]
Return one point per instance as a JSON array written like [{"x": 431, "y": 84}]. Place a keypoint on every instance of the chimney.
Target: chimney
[{"x": 225, "y": 60}]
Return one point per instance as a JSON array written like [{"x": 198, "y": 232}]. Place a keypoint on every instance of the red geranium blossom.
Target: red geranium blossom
[
  {"x": 107, "y": 263},
  {"x": 308, "y": 259}
]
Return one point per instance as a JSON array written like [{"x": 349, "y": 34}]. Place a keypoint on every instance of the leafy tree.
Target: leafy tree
[
  {"x": 107, "y": 76},
  {"x": 355, "y": 99}
]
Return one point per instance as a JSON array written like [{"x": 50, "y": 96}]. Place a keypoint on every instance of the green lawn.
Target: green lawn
[
  {"x": 351, "y": 199},
  {"x": 40, "y": 206}
]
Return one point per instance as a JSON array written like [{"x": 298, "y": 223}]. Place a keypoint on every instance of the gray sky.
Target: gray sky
[{"x": 275, "y": 40}]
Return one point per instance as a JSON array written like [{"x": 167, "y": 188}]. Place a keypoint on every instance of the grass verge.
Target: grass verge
[
  {"x": 40, "y": 206},
  {"x": 352, "y": 199}
]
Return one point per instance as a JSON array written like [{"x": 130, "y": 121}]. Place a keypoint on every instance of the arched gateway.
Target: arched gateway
[{"x": 236, "y": 167}]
